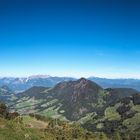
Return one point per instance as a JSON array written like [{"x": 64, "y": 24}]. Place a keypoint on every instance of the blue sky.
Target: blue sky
[{"x": 70, "y": 38}]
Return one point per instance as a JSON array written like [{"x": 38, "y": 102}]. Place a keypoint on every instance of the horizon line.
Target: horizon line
[{"x": 68, "y": 76}]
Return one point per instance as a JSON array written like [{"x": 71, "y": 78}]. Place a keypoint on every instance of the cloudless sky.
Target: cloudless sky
[{"x": 70, "y": 38}]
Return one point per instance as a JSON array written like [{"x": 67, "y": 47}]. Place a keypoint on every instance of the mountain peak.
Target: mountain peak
[
  {"x": 77, "y": 95},
  {"x": 82, "y": 79},
  {"x": 85, "y": 82},
  {"x": 39, "y": 76}
]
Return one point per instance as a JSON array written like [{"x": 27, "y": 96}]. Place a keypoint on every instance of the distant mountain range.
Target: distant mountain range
[
  {"x": 22, "y": 84},
  {"x": 117, "y": 83}
]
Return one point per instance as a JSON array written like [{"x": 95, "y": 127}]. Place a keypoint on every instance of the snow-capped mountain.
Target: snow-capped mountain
[{"x": 21, "y": 84}]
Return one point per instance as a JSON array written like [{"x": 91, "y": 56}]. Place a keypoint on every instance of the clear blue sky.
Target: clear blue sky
[{"x": 70, "y": 38}]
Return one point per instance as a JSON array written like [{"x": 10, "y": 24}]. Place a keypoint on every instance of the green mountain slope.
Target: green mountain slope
[{"x": 40, "y": 128}]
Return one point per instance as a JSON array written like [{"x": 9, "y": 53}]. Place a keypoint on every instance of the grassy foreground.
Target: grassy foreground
[{"x": 28, "y": 128}]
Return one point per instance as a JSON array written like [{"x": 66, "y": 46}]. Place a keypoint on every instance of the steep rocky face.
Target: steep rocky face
[
  {"x": 75, "y": 91},
  {"x": 77, "y": 96}
]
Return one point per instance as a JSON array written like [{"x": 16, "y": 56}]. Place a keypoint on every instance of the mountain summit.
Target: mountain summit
[
  {"x": 77, "y": 97},
  {"x": 81, "y": 89}
]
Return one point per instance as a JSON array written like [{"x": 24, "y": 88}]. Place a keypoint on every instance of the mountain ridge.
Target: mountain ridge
[{"x": 19, "y": 84}]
